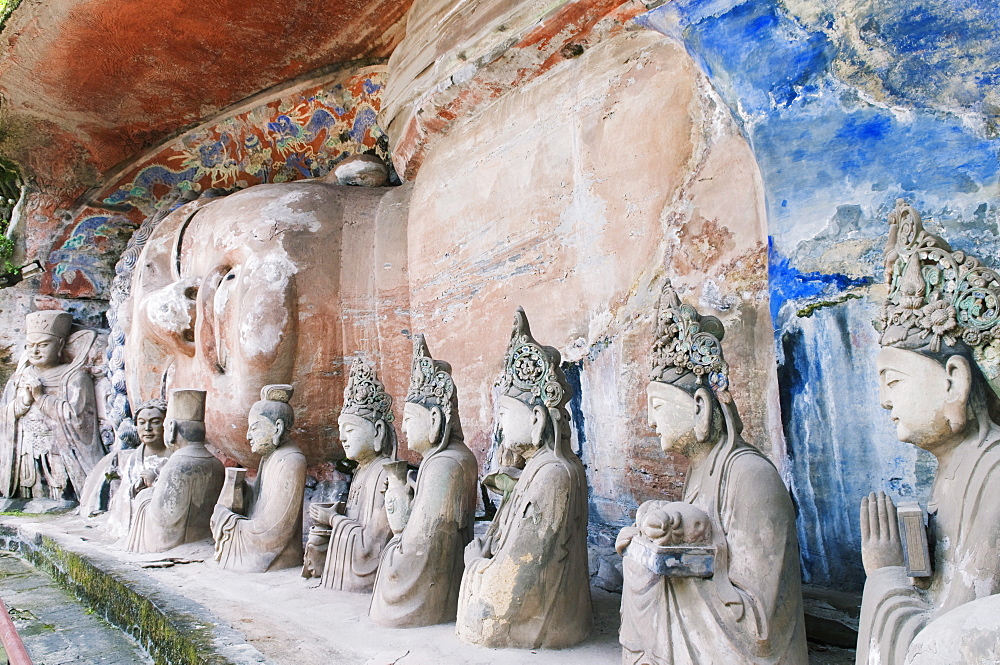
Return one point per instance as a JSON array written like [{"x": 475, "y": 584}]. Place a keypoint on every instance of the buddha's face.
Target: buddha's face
[
  {"x": 43, "y": 350},
  {"x": 672, "y": 415},
  {"x": 926, "y": 400},
  {"x": 264, "y": 436},
  {"x": 515, "y": 425},
  {"x": 241, "y": 292},
  {"x": 149, "y": 425},
  {"x": 418, "y": 427},
  {"x": 359, "y": 438}
]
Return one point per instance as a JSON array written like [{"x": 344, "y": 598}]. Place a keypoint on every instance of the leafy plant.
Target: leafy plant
[
  {"x": 10, "y": 193},
  {"x": 7, "y": 8}
]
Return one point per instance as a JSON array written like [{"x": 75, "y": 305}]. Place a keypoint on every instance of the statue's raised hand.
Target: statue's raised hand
[{"x": 880, "y": 542}]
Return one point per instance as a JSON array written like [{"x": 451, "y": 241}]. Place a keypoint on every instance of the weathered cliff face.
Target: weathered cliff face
[{"x": 575, "y": 196}]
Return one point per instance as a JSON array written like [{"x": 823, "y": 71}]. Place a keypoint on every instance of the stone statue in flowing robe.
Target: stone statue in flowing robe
[
  {"x": 269, "y": 535},
  {"x": 353, "y": 534},
  {"x": 177, "y": 508},
  {"x": 713, "y": 578},
  {"x": 49, "y": 435},
  {"x": 938, "y": 370},
  {"x": 137, "y": 468},
  {"x": 421, "y": 568},
  {"x": 526, "y": 581}
]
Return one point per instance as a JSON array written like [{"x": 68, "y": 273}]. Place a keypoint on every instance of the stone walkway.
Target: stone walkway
[{"x": 56, "y": 628}]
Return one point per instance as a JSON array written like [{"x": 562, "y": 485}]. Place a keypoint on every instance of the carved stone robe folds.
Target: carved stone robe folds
[
  {"x": 270, "y": 536},
  {"x": 60, "y": 428},
  {"x": 750, "y": 611},
  {"x": 966, "y": 531},
  {"x": 130, "y": 464},
  {"x": 178, "y": 507},
  {"x": 534, "y": 591},
  {"x": 358, "y": 536},
  {"x": 421, "y": 569}
]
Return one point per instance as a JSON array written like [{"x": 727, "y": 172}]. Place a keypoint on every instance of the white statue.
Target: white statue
[
  {"x": 938, "y": 371},
  {"x": 713, "y": 578}
]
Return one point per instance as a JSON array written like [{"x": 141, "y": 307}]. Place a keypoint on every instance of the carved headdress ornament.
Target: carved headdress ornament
[
  {"x": 277, "y": 392},
  {"x": 687, "y": 343},
  {"x": 430, "y": 380},
  {"x": 49, "y": 322},
  {"x": 365, "y": 396},
  {"x": 531, "y": 371},
  {"x": 186, "y": 404},
  {"x": 937, "y": 295}
]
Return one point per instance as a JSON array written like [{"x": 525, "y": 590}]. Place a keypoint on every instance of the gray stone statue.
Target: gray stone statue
[
  {"x": 49, "y": 435},
  {"x": 348, "y": 538},
  {"x": 267, "y": 533},
  {"x": 526, "y": 582},
  {"x": 421, "y": 569},
  {"x": 713, "y": 578},
  {"x": 938, "y": 371},
  {"x": 177, "y": 507},
  {"x": 137, "y": 468}
]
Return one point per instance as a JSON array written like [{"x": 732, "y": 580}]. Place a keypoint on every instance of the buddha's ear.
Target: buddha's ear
[
  {"x": 959, "y": 390},
  {"x": 379, "y": 436},
  {"x": 437, "y": 423},
  {"x": 539, "y": 418},
  {"x": 703, "y": 414}
]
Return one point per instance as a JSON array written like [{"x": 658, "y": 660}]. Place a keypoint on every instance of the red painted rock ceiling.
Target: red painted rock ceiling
[{"x": 104, "y": 79}]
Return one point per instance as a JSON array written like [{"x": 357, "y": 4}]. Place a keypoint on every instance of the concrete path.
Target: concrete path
[{"x": 55, "y": 627}]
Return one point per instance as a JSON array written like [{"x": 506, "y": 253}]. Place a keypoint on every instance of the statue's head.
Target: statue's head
[
  {"x": 185, "y": 418},
  {"x": 430, "y": 414},
  {"x": 149, "y": 419},
  {"x": 45, "y": 337},
  {"x": 533, "y": 394},
  {"x": 688, "y": 393},
  {"x": 365, "y": 422},
  {"x": 270, "y": 419},
  {"x": 940, "y": 335}
]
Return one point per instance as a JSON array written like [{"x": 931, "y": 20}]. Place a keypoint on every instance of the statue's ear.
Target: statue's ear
[
  {"x": 437, "y": 422},
  {"x": 279, "y": 428},
  {"x": 539, "y": 418},
  {"x": 703, "y": 414},
  {"x": 959, "y": 378},
  {"x": 380, "y": 441}
]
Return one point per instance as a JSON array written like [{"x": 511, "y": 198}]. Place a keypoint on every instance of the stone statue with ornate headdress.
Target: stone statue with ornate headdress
[
  {"x": 526, "y": 581},
  {"x": 713, "y": 578},
  {"x": 421, "y": 569},
  {"x": 49, "y": 435},
  {"x": 936, "y": 599},
  {"x": 346, "y": 540},
  {"x": 265, "y": 533},
  {"x": 177, "y": 506}
]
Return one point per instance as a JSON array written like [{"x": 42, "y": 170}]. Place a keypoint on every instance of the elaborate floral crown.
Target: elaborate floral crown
[
  {"x": 365, "y": 396},
  {"x": 936, "y": 294},
  {"x": 687, "y": 343},
  {"x": 531, "y": 371},
  {"x": 430, "y": 380}
]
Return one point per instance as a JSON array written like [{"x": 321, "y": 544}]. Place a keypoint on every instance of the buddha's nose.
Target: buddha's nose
[{"x": 170, "y": 314}]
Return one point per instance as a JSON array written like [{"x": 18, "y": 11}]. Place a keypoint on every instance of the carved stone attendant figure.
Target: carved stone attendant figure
[
  {"x": 49, "y": 438},
  {"x": 354, "y": 535},
  {"x": 177, "y": 508},
  {"x": 735, "y": 597},
  {"x": 269, "y": 535},
  {"x": 421, "y": 569},
  {"x": 138, "y": 468},
  {"x": 526, "y": 582},
  {"x": 938, "y": 371}
]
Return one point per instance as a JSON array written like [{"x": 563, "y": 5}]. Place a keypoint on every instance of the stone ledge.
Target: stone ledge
[{"x": 171, "y": 628}]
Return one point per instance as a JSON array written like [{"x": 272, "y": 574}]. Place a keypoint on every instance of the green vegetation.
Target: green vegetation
[
  {"x": 10, "y": 193},
  {"x": 808, "y": 310},
  {"x": 7, "y": 8}
]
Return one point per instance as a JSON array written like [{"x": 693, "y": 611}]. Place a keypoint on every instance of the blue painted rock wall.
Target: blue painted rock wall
[{"x": 849, "y": 105}]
